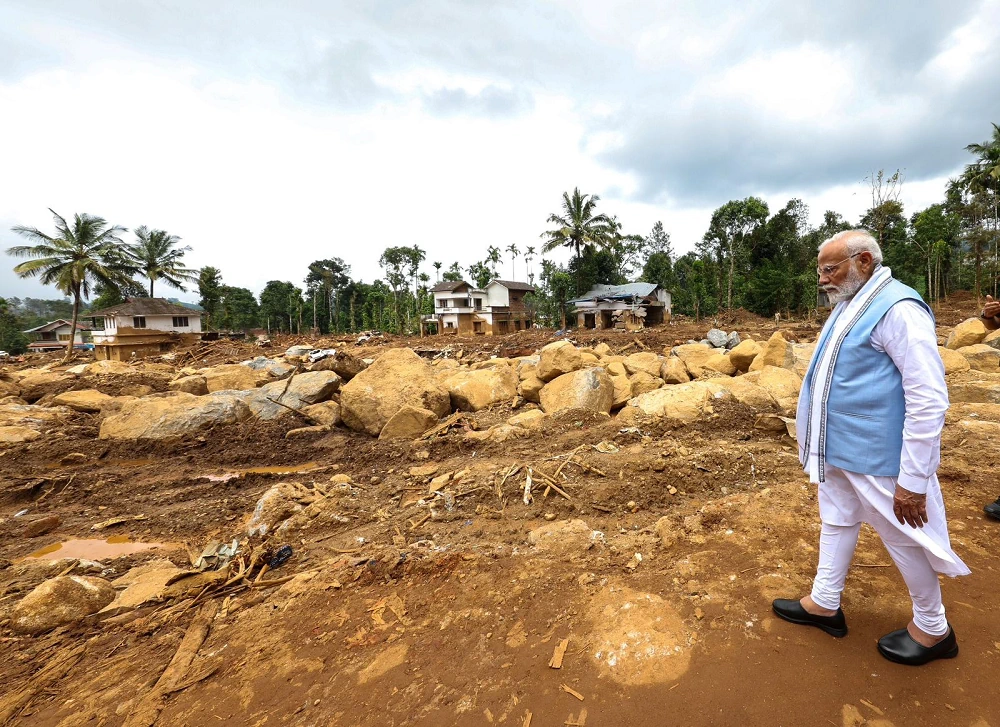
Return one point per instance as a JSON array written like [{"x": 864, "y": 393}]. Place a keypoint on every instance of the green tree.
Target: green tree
[
  {"x": 730, "y": 236},
  {"x": 281, "y": 301},
  {"x": 453, "y": 274},
  {"x": 481, "y": 274},
  {"x": 79, "y": 255},
  {"x": 210, "y": 292},
  {"x": 529, "y": 255},
  {"x": 11, "y": 338},
  {"x": 557, "y": 287},
  {"x": 578, "y": 225},
  {"x": 437, "y": 271},
  {"x": 324, "y": 281},
  {"x": 156, "y": 255},
  {"x": 395, "y": 261},
  {"x": 238, "y": 309}
]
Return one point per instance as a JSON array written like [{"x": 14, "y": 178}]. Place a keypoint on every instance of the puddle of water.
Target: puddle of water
[{"x": 93, "y": 549}]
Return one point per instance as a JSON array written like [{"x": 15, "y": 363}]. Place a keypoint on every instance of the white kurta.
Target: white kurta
[{"x": 906, "y": 334}]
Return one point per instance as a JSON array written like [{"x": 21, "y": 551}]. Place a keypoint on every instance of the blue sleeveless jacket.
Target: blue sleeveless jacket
[{"x": 865, "y": 407}]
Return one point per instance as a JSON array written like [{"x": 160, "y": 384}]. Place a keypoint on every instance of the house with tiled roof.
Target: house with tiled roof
[
  {"x": 497, "y": 309},
  {"x": 54, "y": 335},
  {"x": 142, "y": 327},
  {"x": 631, "y": 306}
]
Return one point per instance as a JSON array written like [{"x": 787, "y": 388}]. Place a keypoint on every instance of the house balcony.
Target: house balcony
[{"x": 457, "y": 309}]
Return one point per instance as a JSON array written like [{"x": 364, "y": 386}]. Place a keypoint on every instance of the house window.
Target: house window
[
  {"x": 479, "y": 303},
  {"x": 63, "y": 336},
  {"x": 138, "y": 321},
  {"x": 180, "y": 321}
]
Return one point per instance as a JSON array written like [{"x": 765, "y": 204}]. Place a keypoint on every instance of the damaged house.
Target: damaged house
[
  {"x": 142, "y": 327},
  {"x": 629, "y": 307}
]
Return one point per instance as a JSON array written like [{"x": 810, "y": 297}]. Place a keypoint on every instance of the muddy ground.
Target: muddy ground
[{"x": 411, "y": 610}]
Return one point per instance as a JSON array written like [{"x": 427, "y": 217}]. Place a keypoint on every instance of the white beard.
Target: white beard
[{"x": 848, "y": 289}]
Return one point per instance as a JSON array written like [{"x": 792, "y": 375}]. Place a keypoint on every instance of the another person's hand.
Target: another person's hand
[
  {"x": 992, "y": 307},
  {"x": 909, "y": 507}
]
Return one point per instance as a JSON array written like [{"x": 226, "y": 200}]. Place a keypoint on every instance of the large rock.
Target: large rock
[
  {"x": 60, "y": 601},
  {"x": 993, "y": 339},
  {"x": 801, "y": 357},
  {"x": 683, "y": 402},
  {"x": 616, "y": 368},
  {"x": 981, "y": 357},
  {"x": 41, "y": 526},
  {"x": 776, "y": 352},
  {"x": 277, "y": 505},
  {"x": 86, "y": 400},
  {"x": 748, "y": 393},
  {"x": 302, "y": 390},
  {"x": 327, "y": 413},
  {"x": 273, "y": 367},
  {"x": 531, "y": 388},
  {"x": 39, "y": 383},
  {"x": 408, "y": 423},
  {"x": 646, "y": 362},
  {"x": 565, "y": 537},
  {"x": 641, "y": 382},
  {"x": 717, "y": 338},
  {"x": 97, "y": 368},
  {"x": 531, "y": 419},
  {"x": 556, "y": 359},
  {"x": 953, "y": 361},
  {"x": 233, "y": 377},
  {"x": 720, "y": 362},
  {"x": 195, "y": 384},
  {"x": 176, "y": 415},
  {"x": 967, "y": 333},
  {"x": 733, "y": 340},
  {"x": 30, "y": 415},
  {"x": 475, "y": 390},
  {"x": 343, "y": 364},
  {"x": 622, "y": 392},
  {"x": 673, "y": 371},
  {"x": 744, "y": 354},
  {"x": 695, "y": 356},
  {"x": 780, "y": 383},
  {"x": 975, "y": 392},
  {"x": 18, "y": 434},
  {"x": 397, "y": 378},
  {"x": 590, "y": 389}
]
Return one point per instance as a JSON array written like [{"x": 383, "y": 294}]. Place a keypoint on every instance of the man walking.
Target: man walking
[{"x": 869, "y": 424}]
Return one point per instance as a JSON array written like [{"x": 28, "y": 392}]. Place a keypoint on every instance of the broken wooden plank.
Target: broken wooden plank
[
  {"x": 558, "y": 653},
  {"x": 442, "y": 427},
  {"x": 569, "y": 690},
  {"x": 527, "y": 719},
  {"x": 11, "y": 704}
]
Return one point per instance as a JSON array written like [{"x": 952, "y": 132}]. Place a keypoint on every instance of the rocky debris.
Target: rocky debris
[
  {"x": 37, "y": 384},
  {"x": 622, "y": 391},
  {"x": 721, "y": 363},
  {"x": 302, "y": 390},
  {"x": 673, "y": 371},
  {"x": 733, "y": 340},
  {"x": 981, "y": 357},
  {"x": 641, "y": 382},
  {"x": 475, "y": 390},
  {"x": 557, "y": 359},
  {"x": 275, "y": 368},
  {"x": 985, "y": 431},
  {"x": 683, "y": 402},
  {"x": 975, "y": 392},
  {"x": 97, "y": 368},
  {"x": 18, "y": 434},
  {"x": 195, "y": 384},
  {"x": 531, "y": 388},
  {"x": 646, "y": 362},
  {"x": 326, "y": 413},
  {"x": 743, "y": 354},
  {"x": 666, "y": 529},
  {"x": 695, "y": 356},
  {"x": 776, "y": 352},
  {"x": 344, "y": 365},
  {"x": 397, "y": 378},
  {"x": 233, "y": 377},
  {"x": 41, "y": 526},
  {"x": 86, "y": 400},
  {"x": 779, "y": 383},
  {"x": 59, "y": 601},
  {"x": 276, "y": 505},
  {"x": 298, "y": 351},
  {"x": 497, "y": 433},
  {"x": 717, "y": 338},
  {"x": 140, "y": 585},
  {"x": 616, "y": 368},
  {"x": 748, "y": 393},
  {"x": 408, "y": 422},
  {"x": 564, "y": 538},
  {"x": 993, "y": 339},
  {"x": 967, "y": 333},
  {"x": 29, "y": 415},
  {"x": 305, "y": 431},
  {"x": 8, "y": 388},
  {"x": 590, "y": 389},
  {"x": 531, "y": 419},
  {"x": 73, "y": 458},
  {"x": 177, "y": 415}
]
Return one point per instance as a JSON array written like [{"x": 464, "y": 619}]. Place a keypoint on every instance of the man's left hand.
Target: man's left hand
[{"x": 910, "y": 508}]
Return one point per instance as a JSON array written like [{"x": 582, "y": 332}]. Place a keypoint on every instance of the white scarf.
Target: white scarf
[{"x": 811, "y": 413}]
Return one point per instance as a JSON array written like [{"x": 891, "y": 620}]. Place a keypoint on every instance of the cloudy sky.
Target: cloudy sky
[{"x": 269, "y": 134}]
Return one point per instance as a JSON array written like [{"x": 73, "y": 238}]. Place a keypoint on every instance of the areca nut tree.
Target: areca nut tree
[
  {"x": 514, "y": 252},
  {"x": 982, "y": 178},
  {"x": 579, "y": 225},
  {"x": 156, "y": 255},
  {"x": 89, "y": 252}
]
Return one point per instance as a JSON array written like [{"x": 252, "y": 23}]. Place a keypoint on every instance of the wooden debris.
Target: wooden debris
[
  {"x": 13, "y": 703},
  {"x": 527, "y": 719},
  {"x": 570, "y": 690},
  {"x": 526, "y": 497},
  {"x": 872, "y": 707},
  {"x": 580, "y": 721},
  {"x": 443, "y": 426},
  {"x": 301, "y": 413},
  {"x": 421, "y": 521},
  {"x": 558, "y": 653}
]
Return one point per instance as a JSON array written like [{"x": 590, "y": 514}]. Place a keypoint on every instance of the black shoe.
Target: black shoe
[
  {"x": 793, "y": 612},
  {"x": 900, "y": 647},
  {"x": 993, "y": 509}
]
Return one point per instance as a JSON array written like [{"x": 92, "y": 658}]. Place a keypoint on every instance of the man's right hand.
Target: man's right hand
[{"x": 992, "y": 307}]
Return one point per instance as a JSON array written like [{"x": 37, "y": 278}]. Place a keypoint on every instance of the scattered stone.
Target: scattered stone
[
  {"x": 98, "y": 368},
  {"x": 233, "y": 377},
  {"x": 646, "y": 362},
  {"x": 326, "y": 412},
  {"x": 409, "y": 422},
  {"x": 347, "y": 366},
  {"x": 720, "y": 362},
  {"x": 967, "y": 333},
  {"x": 273, "y": 367},
  {"x": 73, "y": 458},
  {"x": 683, "y": 402},
  {"x": 86, "y": 400},
  {"x": 304, "y": 431},
  {"x": 423, "y": 471},
  {"x": 565, "y": 537},
  {"x": 694, "y": 356},
  {"x": 748, "y": 393},
  {"x": 498, "y": 433},
  {"x": 717, "y": 338},
  {"x": 557, "y": 359},
  {"x": 41, "y": 526},
  {"x": 993, "y": 339},
  {"x": 174, "y": 416},
  {"x": 732, "y": 340},
  {"x": 531, "y": 388},
  {"x": 531, "y": 419},
  {"x": 135, "y": 390},
  {"x": 673, "y": 371},
  {"x": 341, "y": 479},
  {"x": 39, "y": 383},
  {"x": 298, "y": 351},
  {"x": 974, "y": 392},
  {"x": 641, "y": 382},
  {"x": 196, "y": 385},
  {"x": 981, "y": 357},
  {"x": 590, "y": 389},
  {"x": 616, "y": 368},
  {"x": 622, "y": 392},
  {"x": 602, "y": 349},
  {"x": 743, "y": 354},
  {"x": 276, "y": 505},
  {"x": 18, "y": 435},
  {"x": 780, "y": 383},
  {"x": 302, "y": 390},
  {"x": 475, "y": 390},
  {"x": 59, "y": 601},
  {"x": 776, "y": 352}
]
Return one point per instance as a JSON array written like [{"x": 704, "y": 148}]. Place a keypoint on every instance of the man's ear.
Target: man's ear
[{"x": 866, "y": 260}]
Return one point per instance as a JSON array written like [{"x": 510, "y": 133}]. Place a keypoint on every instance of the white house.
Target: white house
[
  {"x": 499, "y": 308},
  {"x": 143, "y": 327},
  {"x": 54, "y": 335}
]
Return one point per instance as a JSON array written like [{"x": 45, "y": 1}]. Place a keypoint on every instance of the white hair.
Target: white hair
[{"x": 857, "y": 241}]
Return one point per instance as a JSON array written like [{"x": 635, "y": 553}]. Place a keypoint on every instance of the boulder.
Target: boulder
[
  {"x": 327, "y": 413},
  {"x": 173, "y": 416},
  {"x": 8, "y": 388},
  {"x": 531, "y": 419},
  {"x": 397, "y": 378},
  {"x": 29, "y": 415},
  {"x": 59, "y": 601},
  {"x": 557, "y": 359},
  {"x": 717, "y": 338},
  {"x": 967, "y": 333},
  {"x": 694, "y": 356},
  {"x": 616, "y": 368},
  {"x": 602, "y": 350},
  {"x": 975, "y": 392},
  {"x": 589, "y": 359},
  {"x": 720, "y": 362},
  {"x": 531, "y": 388},
  {"x": 744, "y": 354},
  {"x": 233, "y": 377},
  {"x": 408, "y": 422},
  {"x": 527, "y": 368},
  {"x": 992, "y": 339},
  {"x": 98, "y": 368},
  {"x": 275, "y": 368},
  {"x": 18, "y": 434},
  {"x": 564, "y": 537},
  {"x": 641, "y": 382},
  {"x": 39, "y": 383},
  {"x": 673, "y": 371},
  {"x": 41, "y": 526},
  {"x": 646, "y": 362},
  {"x": 135, "y": 390},
  {"x": 475, "y": 390},
  {"x": 683, "y": 402},
  {"x": 497, "y": 433},
  {"x": 276, "y": 505},
  {"x": 622, "y": 391},
  {"x": 301, "y": 390},
  {"x": 347, "y": 366},
  {"x": 298, "y": 351},
  {"x": 196, "y": 385},
  {"x": 87, "y": 400},
  {"x": 981, "y": 357},
  {"x": 780, "y": 383},
  {"x": 953, "y": 361},
  {"x": 801, "y": 357},
  {"x": 776, "y": 352},
  {"x": 733, "y": 340},
  {"x": 748, "y": 393},
  {"x": 590, "y": 389}
]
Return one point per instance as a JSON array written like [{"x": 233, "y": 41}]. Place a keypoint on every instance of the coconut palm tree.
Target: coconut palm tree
[
  {"x": 156, "y": 255},
  {"x": 529, "y": 255},
  {"x": 493, "y": 256},
  {"x": 76, "y": 258},
  {"x": 579, "y": 225},
  {"x": 514, "y": 252},
  {"x": 437, "y": 271},
  {"x": 982, "y": 179}
]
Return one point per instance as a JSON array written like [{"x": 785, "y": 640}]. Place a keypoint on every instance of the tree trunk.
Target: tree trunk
[
  {"x": 562, "y": 310},
  {"x": 150, "y": 287},
  {"x": 72, "y": 327}
]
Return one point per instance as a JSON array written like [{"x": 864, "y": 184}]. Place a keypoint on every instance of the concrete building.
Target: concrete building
[
  {"x": 630, "y": 307},
  {"x": 54, "y": 335},
  {"x": 142, "y": 327},
  {"x": 497, "y": 309}
]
